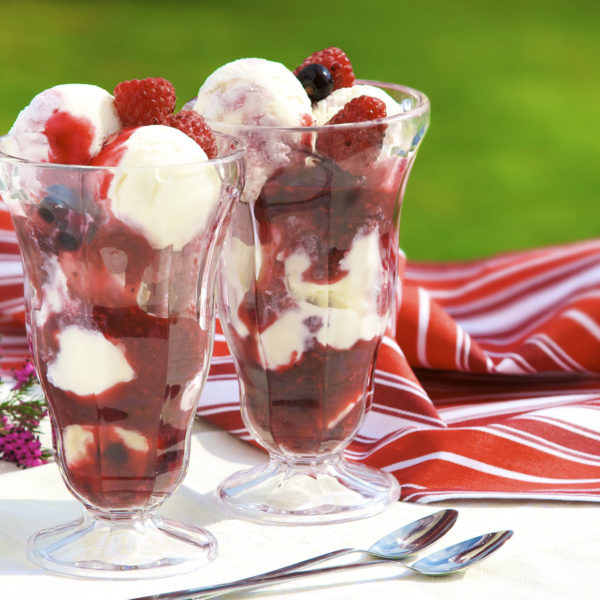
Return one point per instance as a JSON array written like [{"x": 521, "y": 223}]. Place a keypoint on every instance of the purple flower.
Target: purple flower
[
  {"x": 24, "y": 375},
  {"x": 21, "y": 447},
  {"x": 20, "y": 416}
]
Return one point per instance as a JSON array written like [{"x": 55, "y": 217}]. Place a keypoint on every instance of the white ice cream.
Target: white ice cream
[
  {"x": 134, "y": 440},
  {"x": 87, "y": 363},
  {"x": 172, "y": 203},
  {"x": 79, "y": 444},
  {"x": 238, "y": 267},
  {"x": 348, "y": 309},
  {"x": 55, "y": 291},
  {"x": 254, "y": 91},
  {"x": 28, "y": 137}
]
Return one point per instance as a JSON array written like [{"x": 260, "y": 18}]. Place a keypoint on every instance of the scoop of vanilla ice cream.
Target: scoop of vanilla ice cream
[
  {"x": 170, "y": 203},
  {"x": 65, "y": 123},
  {"x": 347, "y": 309},
  {"x": 79, "y": 444},
  {"x": 87, "y": 363},
  {"x": 254, "y": 91}
]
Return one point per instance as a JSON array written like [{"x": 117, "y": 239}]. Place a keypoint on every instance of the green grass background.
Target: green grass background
[{"x": 512, "y": 154}]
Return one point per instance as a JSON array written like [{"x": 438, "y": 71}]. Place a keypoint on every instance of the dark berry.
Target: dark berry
[
  {"x": 144, "y": 101},
  {"x": 116, "y": 454},
  {"x": 68, "y": 241},
  {"x": 59, "y": 208},
  {"x": 55, "y": 206},
  {"x": 51, "y": 210},
  {"x": 337, "y": 63},
  {"x": 72, "y": 230},
  {"x": 316, "y": 80}
]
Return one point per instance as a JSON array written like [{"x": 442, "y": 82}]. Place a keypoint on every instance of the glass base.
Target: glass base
[
  {"x": 127, "y": 547},
  {"x": 303, "y": 493}
]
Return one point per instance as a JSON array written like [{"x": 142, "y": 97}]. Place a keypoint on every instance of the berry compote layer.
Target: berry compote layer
[
  {"x": 121, "y": 351},
  {"x": 308, "y": 278}
]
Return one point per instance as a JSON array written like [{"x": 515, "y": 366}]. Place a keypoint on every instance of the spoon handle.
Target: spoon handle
[
  {"x": 303, "y": 563},
  {"x": 257, "y": 581}
]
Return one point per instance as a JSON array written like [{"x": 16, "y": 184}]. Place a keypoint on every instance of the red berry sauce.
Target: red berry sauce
[
  {"x": 69, "y": 138},
  {"x": 143, "y": 301},
  {"x": 314, "y": 404}
]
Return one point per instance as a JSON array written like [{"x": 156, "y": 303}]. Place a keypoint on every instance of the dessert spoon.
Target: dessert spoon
[
  {"x": 443, "y": 562},
  {"x": 398, "y": 544}
]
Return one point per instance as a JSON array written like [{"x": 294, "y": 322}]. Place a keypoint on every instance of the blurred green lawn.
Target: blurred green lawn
[{"x": 511, "y": 155}]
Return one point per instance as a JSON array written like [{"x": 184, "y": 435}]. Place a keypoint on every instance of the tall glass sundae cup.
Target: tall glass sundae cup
[
  {"x": 121, "y": 326},
  {"x": 306, "y": 288}
]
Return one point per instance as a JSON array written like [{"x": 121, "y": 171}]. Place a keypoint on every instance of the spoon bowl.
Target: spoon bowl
[
  {"x": 460, "y": 556},
  {"x": 413, "y": 537}
]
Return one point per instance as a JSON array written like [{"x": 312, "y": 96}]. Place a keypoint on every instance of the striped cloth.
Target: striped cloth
[{"x": 496, "y": 393}]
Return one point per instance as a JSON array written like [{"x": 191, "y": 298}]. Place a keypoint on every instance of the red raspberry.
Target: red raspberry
[
  {"x": 336, "y": 62},
  {"x": 355, "y": 149},
  {"x": 144, "y": 101},
  {"x": 194, "y": 125}
]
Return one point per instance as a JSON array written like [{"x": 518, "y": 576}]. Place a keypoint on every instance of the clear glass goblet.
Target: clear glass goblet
[
  {"x": 306, "y": 287},
  {"x": 121, "y": 327}
]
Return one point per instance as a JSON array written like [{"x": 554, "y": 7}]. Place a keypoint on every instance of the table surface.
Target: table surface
[{"x": 554, "y": 553}]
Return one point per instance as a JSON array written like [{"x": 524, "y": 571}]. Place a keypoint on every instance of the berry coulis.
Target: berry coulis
[
  {"x": 315, "y": 403},
  {"x": 69, "y": 138},
  {"x": 116, "y": 284}
]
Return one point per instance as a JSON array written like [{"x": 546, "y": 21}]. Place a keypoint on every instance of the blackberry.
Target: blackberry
[
  {"x": 52, "y": 210},
  {"x": 68, "y": 241},
  {"x": 57, "y": 208}
]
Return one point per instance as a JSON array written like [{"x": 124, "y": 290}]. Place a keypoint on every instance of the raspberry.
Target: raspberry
[
  {"x": 362, "y": 108},
  {"x": 192, "y": 124},
  {"x": 355, "y": 149},
  {"x": 336, "y": 62},
  {"x": 144, "y": 101}
]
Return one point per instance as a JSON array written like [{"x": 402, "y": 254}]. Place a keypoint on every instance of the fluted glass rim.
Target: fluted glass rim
[
  {"x": 422, "y": 109},
  {"x": 235, "y": 154}
]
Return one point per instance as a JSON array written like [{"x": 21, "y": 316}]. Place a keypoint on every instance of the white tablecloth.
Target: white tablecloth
[{"x": 554, "y": 553}]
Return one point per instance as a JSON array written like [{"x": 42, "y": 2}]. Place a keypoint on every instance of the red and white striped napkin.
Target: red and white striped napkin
[{"x": 496, "y": 393}]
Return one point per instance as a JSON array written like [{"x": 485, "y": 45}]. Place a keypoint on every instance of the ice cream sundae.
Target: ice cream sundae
[
  {"x": 119, "y": 204},
  {"x": 310, "y": 265}
]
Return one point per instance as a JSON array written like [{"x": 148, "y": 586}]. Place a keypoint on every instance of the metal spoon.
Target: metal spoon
[
  {"x": 396, "y": 545},
  {"x": 459, "y": 556},
  {"x": 449, "y": 560}
]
